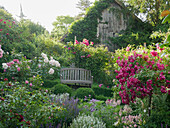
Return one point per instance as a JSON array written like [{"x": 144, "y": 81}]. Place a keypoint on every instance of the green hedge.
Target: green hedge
[
  {"x": 101, "y": 97},
  {"x": 51, "y": 83},
  {"x": 107, "y": 92},
  {"x": 61, "y": 88},
  {"x": 82, "y": 92}
]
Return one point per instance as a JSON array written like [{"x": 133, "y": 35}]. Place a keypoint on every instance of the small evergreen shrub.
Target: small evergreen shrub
[
  {"x": 61, "y": 88},
  {"x": 101, "y": 97},
  {"x": 82, "y": 92},
  {"x": 84, "y": 121},
  {"x": 104, "y": 91},
  {"x": 51, "y": 83}
]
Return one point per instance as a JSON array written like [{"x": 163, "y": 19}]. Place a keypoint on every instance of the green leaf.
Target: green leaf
[{"x": 166, "y": 19}]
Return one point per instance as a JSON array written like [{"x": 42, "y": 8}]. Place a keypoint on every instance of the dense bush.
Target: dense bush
[
  {"x": 101, "y": 97},
  {"x": 50, "y": 83},
  {"x": 61, "y": 88},
  {"x": 102, "y": 90},
  {"x": 84, "y": 92}
]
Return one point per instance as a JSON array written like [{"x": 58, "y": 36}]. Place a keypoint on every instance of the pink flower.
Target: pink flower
[
  {"x": 82, "y": 56},
  {"x": 26, "y": 81},
  {"x": 163, "y": 89},
  {"x": 88, "y": 55},
  {"x": 39, "y": 65},
  {"x": 31, "y": 84},
  {"x": 127, "y": 48},
  {"x": 9, "y": 26},
  {"x": 7, "y": 34},
  {"x": 4, "y": 22},
  {"x": 154, "y": 53},
  {"x": 91, "y": 43},
  {"x": 100, "y": 85},
  {"x": 69, "y": 48},
  {"x": 74, "y": 52},
  {"x": 1, "y": 29},
  {"x": 1, "y": 20},
  {"x": 107, "y": 86},
  {"x": 18, "y": 69},
  {"x": 9, "y": 20},
  {"x": 77, "y": 42}
]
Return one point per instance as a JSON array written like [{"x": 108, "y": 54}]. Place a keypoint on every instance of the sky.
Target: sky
[{"x": 43, "y": 12}]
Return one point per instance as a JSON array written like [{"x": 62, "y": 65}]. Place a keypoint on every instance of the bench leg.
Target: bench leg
[{"x": 90, "y": 85}]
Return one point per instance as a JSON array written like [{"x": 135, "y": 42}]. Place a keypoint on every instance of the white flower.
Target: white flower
[
  {"x": 43, "y": 55},
  {"x": 46, "y": 60},
  {"x": 1, "y": 51},
  {"x": 116, "y": 123},
  {"x": 51, "y": 57},
  {"x": 51, "y": 71},
  {"x": 52, "y": 62},
  {"x": 4, "y": 65},
  {"x": 144, "y": 110},
  {"x": 57, "y": 64}
]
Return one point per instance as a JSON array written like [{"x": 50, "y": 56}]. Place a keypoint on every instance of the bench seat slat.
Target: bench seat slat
[{"x": 76, "y": 75}]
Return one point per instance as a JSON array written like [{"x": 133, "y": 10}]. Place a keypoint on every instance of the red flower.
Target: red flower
[
  {"x": 28, "y": 122},
  {"x": 154, "y": 53},
  {"x": 2, "y": 99},
  {"x": 5, "y": 79}
]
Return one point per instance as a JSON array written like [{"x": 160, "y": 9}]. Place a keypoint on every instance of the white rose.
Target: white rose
[
  {"x": 51, "y": 71},
  {"x": 1, "y": 51},
  {"x": 52, "y": 62},
  {"x": 46, "y": 60},
  {"x": 43, "y": 55},
  {"x": 4, "y": 65},
  {"x": 51, "y": 57},
  {"x": 57, "y": 64}
]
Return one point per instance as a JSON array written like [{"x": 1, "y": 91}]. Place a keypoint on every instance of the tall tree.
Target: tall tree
[
  {"x": 61, "y": 26},
  {"x": 83, "y": 5},
  {"x": 150, "y": 9}
]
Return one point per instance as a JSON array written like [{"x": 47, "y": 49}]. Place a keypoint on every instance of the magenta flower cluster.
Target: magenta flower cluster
[{"x": 132, "y": 86}]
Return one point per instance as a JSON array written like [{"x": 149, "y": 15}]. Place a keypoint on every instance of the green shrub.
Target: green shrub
[
  {"x": 82, "y": 92},
  {"x": 101, "y": 97},
  {"x": 103, "y": 91},
  {"x": 51, "y": 83},
  {"x": 61, "y": 88},
  {"x": 84, "y": 121}
]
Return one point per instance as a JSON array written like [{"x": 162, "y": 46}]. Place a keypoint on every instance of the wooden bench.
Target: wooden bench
[{"x": 76, "y": 76}]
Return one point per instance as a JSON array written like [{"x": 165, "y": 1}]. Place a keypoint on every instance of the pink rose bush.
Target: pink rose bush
[{"x": 142, "y": 73}]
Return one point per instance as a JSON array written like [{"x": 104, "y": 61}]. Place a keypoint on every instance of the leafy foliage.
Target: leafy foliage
[
  {"x": 84, "y": 92},
  {"x": 61, "y": 88},
  {"x": 61, "y": 26}
]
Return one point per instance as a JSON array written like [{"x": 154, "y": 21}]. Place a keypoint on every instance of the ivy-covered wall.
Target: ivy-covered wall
[{"x": 87, "y": 26}]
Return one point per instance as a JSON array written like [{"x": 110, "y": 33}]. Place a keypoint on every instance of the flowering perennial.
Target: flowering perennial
[{"x": 139, "y": 75}]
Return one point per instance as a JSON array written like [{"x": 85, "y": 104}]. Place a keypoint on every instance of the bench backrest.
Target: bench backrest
[{"x": 75, "y": 74}]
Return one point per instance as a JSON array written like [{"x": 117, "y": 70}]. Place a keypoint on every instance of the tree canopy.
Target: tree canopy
[{"x": 61, "y": 25}]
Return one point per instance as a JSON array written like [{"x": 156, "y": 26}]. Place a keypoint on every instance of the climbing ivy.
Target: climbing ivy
[{"x": 86, "y": 27}]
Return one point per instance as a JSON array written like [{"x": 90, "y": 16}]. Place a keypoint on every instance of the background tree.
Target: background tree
[
  {"x": 150, "y": 10},
  {"x": 83, "y": 5},
  {"x": 61, "y": 25}
]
